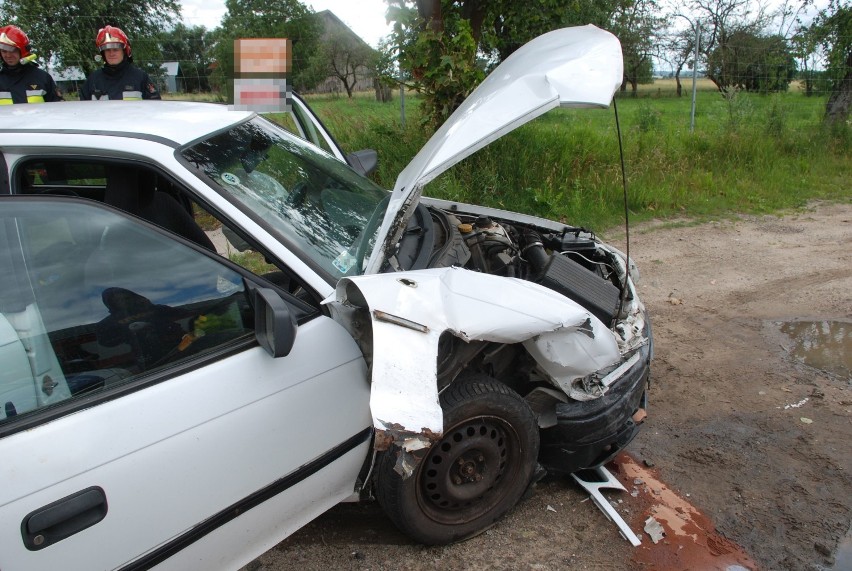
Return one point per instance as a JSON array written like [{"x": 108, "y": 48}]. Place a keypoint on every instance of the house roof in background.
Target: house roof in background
[{"x": 332, "y": 22}]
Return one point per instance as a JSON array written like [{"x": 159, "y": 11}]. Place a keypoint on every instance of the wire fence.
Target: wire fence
[{"x": 749, "y": 69}]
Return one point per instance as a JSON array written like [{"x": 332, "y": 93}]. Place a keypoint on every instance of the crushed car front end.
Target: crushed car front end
[{"x": 548, "y": 309}]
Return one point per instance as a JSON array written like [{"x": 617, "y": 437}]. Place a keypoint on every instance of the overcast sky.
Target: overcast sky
[{"x": 365, "y": 17}]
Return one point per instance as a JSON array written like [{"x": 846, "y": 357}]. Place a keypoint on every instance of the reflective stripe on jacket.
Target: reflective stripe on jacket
[{"x": 36, "y": 95}]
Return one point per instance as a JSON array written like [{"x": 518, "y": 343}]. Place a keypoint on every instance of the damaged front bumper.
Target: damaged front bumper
[
  {"x": 590, "y": 433},
  {"x": 590, "y": 379}
]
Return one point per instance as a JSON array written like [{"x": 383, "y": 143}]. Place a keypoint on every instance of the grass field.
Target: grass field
[{"x": 748, "y": 153}]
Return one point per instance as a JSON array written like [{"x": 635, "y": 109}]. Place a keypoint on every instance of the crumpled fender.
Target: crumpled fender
[{"x": 410, "y": 311}]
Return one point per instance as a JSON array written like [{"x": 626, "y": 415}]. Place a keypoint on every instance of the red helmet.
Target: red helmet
[
  {"x": 112, "y": 37},
  {"x": 12, "y": 37}
]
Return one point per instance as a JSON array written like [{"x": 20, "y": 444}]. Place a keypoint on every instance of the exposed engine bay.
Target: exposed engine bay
[{"x": 568, "y": 261}]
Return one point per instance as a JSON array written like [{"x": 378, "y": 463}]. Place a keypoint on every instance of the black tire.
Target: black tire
[{"x": 475, "y": 474}]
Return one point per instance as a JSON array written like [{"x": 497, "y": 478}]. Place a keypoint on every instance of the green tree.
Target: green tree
[
  {"x": 509, "y": 25},
  {"x": 753, "y": 62},
  {"x": 385, "y": 70},
  {"x": 263, "y": 19},
  {"x": 65, "y": 32},
  {"x": 721, "y": 22},
  {"x": 192, "y": 48},
  {"x": 443, "y": 46},
  {"x": 831, "y": 30},
  {"x": 437, "y": 51},
  {"x": 346, "y": 57},
  {"x": 679, "y": 48},
  {"x": 636, "y": 24}
]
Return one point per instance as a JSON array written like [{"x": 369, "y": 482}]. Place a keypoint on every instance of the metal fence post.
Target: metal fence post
[{"x": 694, "y": 75}]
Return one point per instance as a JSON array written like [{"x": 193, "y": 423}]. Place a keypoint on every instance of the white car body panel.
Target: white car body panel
[
  {"x": 473, "y": 306},
  {"x": 228, "y": 546},
  {"x": 174, "y": 123},
  {"x": 244, "y": 431},
  {"x": 540, "y": 76}
]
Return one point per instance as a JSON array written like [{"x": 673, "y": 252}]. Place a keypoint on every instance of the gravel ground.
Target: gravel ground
[{"x": 750, "y": 447}]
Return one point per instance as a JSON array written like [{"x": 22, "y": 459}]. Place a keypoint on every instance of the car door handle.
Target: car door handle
[{"x": 63, "y": 518}]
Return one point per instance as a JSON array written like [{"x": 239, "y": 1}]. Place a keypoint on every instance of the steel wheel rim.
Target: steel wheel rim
[{"x": 470, "y": 471}]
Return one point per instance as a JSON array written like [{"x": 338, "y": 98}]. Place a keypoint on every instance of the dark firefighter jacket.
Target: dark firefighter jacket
[
  {"x": 26, "y": 83},
  {"x": 122, "y": 81}
]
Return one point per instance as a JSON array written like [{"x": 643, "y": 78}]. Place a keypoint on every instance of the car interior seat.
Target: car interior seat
[{"x": 134, "y": 190}]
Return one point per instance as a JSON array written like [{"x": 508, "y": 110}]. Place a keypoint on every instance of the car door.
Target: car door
[
  {"x": 142, "y": 424},
  {"x": 309, "y": 127}
]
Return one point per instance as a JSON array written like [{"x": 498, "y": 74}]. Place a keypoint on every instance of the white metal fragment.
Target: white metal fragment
[
  {"x": 654, "y": 530},
  {"x": 607, "y": 480},
  {"x": 414, "y": 444}
]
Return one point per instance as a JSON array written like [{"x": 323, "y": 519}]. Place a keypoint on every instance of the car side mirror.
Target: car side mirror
[
  {"x": 364, "y": 162},
  {"x": 274, "y": 324}
]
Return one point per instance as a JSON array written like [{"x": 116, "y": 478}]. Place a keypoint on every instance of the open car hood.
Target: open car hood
[{"x": 572, "y": 67}]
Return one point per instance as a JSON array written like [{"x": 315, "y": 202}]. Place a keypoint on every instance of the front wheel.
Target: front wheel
[{"x": 477, "y": 471}]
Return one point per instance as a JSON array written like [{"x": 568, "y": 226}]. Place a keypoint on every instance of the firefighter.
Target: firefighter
[
  {"x": 21, "y": 80},
  {"x": 118, "y": 78}
]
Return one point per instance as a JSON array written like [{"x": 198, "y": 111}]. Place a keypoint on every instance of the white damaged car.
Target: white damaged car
[{"x": 212, "y": 330}]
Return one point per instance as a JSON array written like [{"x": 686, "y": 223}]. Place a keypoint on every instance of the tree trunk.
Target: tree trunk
[
  {"x": 430, "y": 11},
  {"x": 677, "y": 81},
  {"x": 474, "y": 11},
  {"x": 807, "y": 78},
  {"x": 383, "y": 92},
  {"x": 840, "y": 100}
]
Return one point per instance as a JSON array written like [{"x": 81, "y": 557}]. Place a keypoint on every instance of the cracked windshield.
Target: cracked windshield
[{"x": 310, "y": 199}]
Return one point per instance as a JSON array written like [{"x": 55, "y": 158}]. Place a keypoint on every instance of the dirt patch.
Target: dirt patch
[{"x": 757, "y": 442}]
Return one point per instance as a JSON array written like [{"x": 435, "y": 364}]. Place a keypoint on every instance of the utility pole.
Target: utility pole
[
  {"x": 694, "y": 73},
  {"x": 401, "y": 87}
]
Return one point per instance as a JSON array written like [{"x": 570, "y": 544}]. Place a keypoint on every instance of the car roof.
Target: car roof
[{"x": 177, "y": 121}]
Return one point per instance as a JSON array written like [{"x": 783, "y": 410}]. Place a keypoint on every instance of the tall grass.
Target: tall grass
[{"x": 748, "y": 153}]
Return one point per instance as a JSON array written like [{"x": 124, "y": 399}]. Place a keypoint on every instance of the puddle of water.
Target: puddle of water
[
  {"x": 824, "y": 345},
  {"x": 843, "y": 555}
]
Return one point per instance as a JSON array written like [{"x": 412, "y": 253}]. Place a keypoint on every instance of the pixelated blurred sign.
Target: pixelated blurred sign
[{"x": 261, "y": 66}]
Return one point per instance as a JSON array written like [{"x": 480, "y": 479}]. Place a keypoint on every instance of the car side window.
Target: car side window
[
  {"x": 101, "y": 300},
  {"x": 148, "y": 193},
  {"x": 74, "y": 178}
]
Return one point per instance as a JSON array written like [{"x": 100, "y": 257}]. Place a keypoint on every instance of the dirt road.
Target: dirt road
[{"x": 741, "y": 434}]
